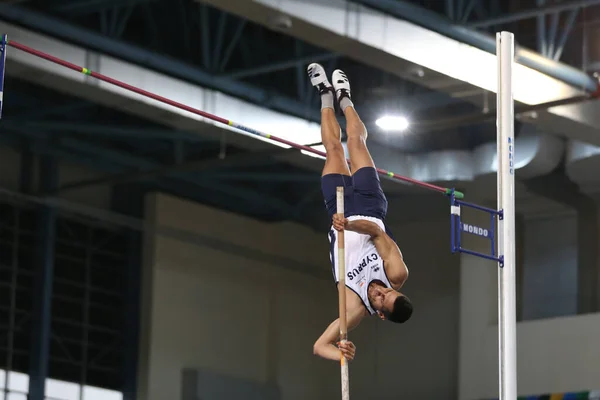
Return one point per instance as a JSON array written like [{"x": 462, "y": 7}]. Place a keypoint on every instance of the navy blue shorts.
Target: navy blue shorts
[{"x": 362, "y": 193}]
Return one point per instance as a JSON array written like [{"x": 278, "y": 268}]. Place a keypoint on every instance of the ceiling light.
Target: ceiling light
[{"x": 392, "y": 123}]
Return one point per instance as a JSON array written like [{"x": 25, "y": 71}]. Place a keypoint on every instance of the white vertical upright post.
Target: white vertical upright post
[{"x": 507, "y": 313}]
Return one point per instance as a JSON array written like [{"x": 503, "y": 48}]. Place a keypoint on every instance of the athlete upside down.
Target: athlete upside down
[{"x": 375, "y": 269}]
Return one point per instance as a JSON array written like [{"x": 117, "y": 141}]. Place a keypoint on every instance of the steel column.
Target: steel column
[
  {"x": 216, "y": 58},
  {"x": 131, "y": 315},
  {"x": 42, "y": 302},
  {"x": 560, "y": 46},
  {"x": 551, "y": 40},
  {"x": 468, "y": 10},
  {"x": 129, "y": 200},
  {"x": 450, "y": 9},
  {"x": 542, "y": 45},
  {"x": 459, "y": 9},
  {"x": 205, "y": 26},
  {"x": 232, "y": 45}
]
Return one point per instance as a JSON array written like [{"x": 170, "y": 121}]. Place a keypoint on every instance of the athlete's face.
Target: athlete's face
[{"x": 383, "y": 299}]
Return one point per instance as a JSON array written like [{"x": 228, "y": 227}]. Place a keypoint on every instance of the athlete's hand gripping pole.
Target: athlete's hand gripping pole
[{"x": 342, "y": 295}]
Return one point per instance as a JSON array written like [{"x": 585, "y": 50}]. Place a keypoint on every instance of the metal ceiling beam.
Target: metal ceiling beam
[
  {"x": 278, "y": 66},
  {"x": 533, "y": 13},
  {"x": 437, "y": 23},
  {"x": 266, "y": 176},
  {"x": 170, "y": 186},
  {"x": 90, "y": 6},
  {"x": 480, "y": 117},
  {"x": 152, "y": 60},
  {"x": 18, "y": 142},
  {"x": 39, "y": 112},
  {"x": 128, "y": 160},
  {"x": 100, "y": 158},
  {"x": 102, "y": 130},
  {"x": 197, "y": 166}
]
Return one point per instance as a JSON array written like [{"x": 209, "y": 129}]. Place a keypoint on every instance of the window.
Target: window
[{"x": 87, "y": 306}]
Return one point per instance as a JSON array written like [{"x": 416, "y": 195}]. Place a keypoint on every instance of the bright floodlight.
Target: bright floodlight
[{"x": 392, "y": 124}]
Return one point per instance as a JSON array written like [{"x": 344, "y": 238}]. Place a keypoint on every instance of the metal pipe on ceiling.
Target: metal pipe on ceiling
[{"x": 532, "y": 13}]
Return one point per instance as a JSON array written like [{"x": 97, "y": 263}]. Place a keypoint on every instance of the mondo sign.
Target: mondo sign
[{"x": 475, "y": 230}]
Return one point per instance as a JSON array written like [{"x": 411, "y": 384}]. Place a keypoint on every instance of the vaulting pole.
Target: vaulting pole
[{"x": 342, "y": 295}]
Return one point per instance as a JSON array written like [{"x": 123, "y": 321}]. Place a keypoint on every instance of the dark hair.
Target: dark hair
[{"x": 402, "y": 311}]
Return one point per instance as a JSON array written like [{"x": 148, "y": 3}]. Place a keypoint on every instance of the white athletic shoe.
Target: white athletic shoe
[
  {"x": 341, "y": 84},
  {"x": 318, "y": 78}
]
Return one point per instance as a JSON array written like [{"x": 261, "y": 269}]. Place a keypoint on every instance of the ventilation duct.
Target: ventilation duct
[{"x": 536, "y": 153}]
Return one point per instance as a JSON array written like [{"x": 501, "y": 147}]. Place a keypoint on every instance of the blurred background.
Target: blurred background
[{"x": 148, "y": 253}]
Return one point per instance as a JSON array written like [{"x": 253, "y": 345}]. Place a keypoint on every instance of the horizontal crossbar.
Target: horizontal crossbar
[{"x": 212, "y": 117}]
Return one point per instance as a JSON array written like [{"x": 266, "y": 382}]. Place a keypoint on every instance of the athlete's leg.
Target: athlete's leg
[
  {"x": 369, "y": 198},
  {"x": 335, "y": 162},
  {"x": 335, "y": 172},
  {"x": 355, "y": 129}
]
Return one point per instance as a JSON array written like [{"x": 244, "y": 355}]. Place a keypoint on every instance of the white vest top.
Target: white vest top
[{"x": 363, "y": 262}]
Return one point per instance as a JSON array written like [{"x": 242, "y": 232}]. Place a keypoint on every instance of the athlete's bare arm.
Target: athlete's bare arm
[
  {"x": 325, "y": 346},
  {"x": 386, "y": 247}
]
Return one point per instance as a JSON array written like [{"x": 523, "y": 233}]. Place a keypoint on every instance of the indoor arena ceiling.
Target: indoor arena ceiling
[{"x": 259, "y": 64}]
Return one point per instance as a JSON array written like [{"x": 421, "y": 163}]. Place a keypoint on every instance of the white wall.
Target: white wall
[
  {"x": 197, "y": 301},
  {"x": 554, "y": 355}
]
